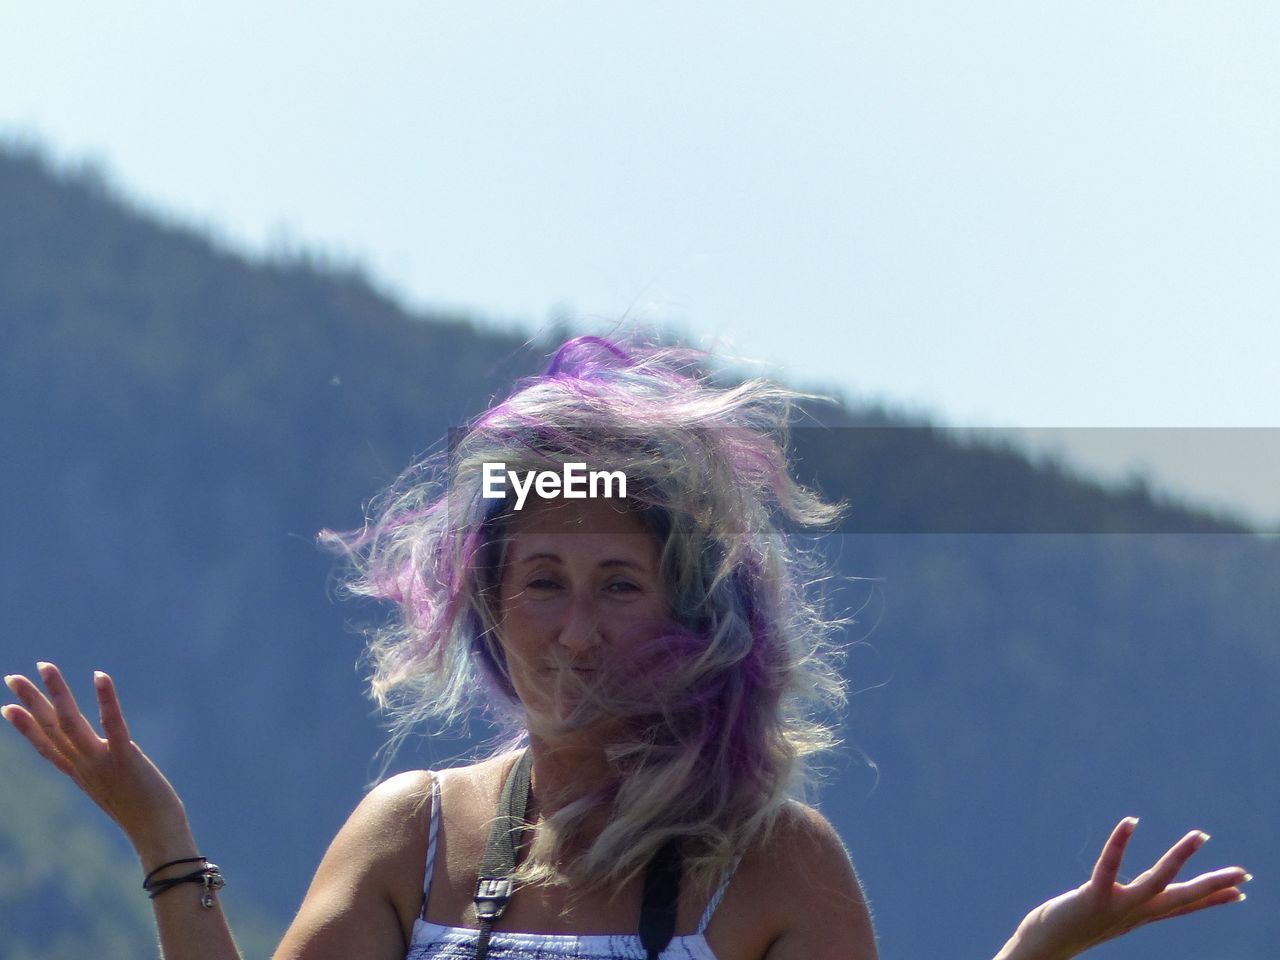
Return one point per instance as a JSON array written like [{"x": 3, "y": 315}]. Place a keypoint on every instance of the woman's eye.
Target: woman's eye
[{"x": 547, "y": 583}]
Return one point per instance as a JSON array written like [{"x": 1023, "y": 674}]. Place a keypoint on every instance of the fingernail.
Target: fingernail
[
  {"x": 1243, "y": 896},
  {"x": 1203, "y": 838},
  {"x": 99, "y": 677},
  {"x": 43, "y": 666},
  {"x": 1247, "y": 878},
  {"x": 1132, "y": 821}
]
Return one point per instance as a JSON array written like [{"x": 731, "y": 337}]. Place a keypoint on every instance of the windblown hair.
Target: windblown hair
[{"x": 711, "y": 723}]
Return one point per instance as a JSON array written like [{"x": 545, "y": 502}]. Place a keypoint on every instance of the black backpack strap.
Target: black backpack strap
[
  {"x": 494, "y": 885},
  {"x": 661, "y": 899}
]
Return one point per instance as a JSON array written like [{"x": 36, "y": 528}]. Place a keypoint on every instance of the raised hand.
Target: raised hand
[
  {"x": 1102, "y": 908},
  {"x": 112, "y": 771}
]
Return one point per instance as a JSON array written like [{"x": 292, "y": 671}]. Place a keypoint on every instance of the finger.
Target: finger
[
  {"x": 42, "y": 711},
  {"x": 110, "y": 712},
  {"x": 1107, "y": 868},
  {"x": 1166, "y": 868},
  {"x": 25, "y": 724},
  {"x": 1217, "y": 899},
  {"x": 1228, "y": 894},
  {"x": 70, "y": 719},
  {"x": 1178, "y": 896}
]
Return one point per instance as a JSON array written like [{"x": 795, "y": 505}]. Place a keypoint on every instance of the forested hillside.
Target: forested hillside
[{"x": 178, "y": 422}]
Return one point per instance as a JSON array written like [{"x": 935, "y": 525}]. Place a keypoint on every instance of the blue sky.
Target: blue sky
[{"x": 1000, "y": 214}]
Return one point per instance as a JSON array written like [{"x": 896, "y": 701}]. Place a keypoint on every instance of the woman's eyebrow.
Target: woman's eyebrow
[
  {"x": 611, "y": 562},
  {"x": 543, "y": 555},
  {"x": 620, "y": 562}
]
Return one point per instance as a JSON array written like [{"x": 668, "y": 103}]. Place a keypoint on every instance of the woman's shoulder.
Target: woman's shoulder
[
  {"x": 799, "y": 840},
  {"x": 408, "y": 795},
  {"x": 368, "y": 888},
  {"x": 383, "y": 845},
  {"x": 794, "y": 883},
  {"x": 395, "y": 816},
  {"x": 802, "y": 826},
  {"x": 399, "y": 801},
  {"x": 385, "y": 836}
]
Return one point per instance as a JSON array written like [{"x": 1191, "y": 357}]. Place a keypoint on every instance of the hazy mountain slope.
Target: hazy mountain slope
[{"x": 177, "y": 424}]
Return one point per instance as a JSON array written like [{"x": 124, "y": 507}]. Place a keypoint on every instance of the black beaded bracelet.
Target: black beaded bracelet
[
  {"x": 146, "y": 881},
  {"x": 209, "y": 875}
]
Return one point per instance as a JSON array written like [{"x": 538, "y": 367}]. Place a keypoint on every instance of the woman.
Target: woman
[{"x": 599, "y": 563}]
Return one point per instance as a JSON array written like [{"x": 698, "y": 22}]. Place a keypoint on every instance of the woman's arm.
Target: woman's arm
[
  {"x": 115, "y": 773},
  {"x": 827, "y": 916},
  {"x": 350, "y": 910},
  {"x": 1102, "y": 909},
  {"x": 363, "y": 898},
  {"x": 121, "y": 779},
  {"x": 814, "y": 885}
]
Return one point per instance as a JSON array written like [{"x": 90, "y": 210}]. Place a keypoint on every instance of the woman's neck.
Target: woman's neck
[{"x": 564, "y": 772}]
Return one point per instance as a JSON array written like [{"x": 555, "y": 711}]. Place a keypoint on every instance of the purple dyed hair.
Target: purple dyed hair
[{"x": 713, "y": 720}]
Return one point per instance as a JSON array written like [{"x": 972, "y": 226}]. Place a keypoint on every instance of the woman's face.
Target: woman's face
[{"x": 580, "y": 579}]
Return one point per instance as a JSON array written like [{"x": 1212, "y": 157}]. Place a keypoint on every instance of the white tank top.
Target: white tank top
[{"x": 434, "y": 941}]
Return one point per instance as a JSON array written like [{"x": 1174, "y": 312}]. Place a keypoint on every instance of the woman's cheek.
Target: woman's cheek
[{"x": 529, "y": 624}]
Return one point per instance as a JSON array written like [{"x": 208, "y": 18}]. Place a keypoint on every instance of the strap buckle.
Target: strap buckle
[{"x": 492, "y": 896}]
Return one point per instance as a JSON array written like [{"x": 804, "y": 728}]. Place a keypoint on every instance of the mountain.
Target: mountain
[{"x": 178, "y": 421}]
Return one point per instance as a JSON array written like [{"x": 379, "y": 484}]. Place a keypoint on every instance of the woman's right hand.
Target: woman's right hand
[{"x": 113, "y": 772}]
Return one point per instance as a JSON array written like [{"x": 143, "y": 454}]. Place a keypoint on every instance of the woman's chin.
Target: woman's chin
[{"x": 562, "y": 728}]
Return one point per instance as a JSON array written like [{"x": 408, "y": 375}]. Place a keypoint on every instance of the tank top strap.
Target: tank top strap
[
  {"x": 717, "y": 896},
  {"x": 431, "y": 841}
]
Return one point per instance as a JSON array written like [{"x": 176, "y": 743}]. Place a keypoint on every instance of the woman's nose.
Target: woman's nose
[{"x": 580, "y": 629}]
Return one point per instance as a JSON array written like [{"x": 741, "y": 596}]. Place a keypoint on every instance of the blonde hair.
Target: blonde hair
[{"x": 714, "y": 721}]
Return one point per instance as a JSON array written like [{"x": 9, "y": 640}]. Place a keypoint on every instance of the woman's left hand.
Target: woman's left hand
[{"x": 1103, "y": 909}]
